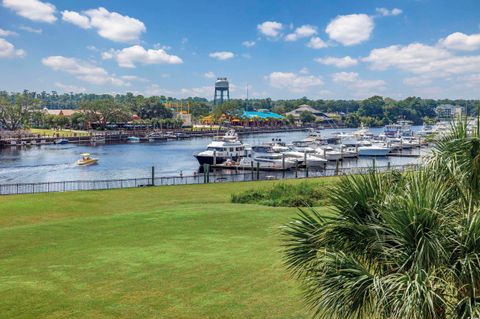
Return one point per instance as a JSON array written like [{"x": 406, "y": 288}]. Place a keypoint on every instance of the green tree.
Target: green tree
[
  {"x": 398, "y": 245},
  {"x": 17, "y": 113},
  {"x": 105, "y": 111},
  {"x": 153, "y": 108},
  {"x": 372, "y": 107},
  {"x": 307, "y": 117}
]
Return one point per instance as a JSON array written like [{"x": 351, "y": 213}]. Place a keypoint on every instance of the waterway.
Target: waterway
[{"x": 50, "y": 163}]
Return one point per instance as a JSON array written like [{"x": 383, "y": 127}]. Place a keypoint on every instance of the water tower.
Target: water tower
[{"x": 221, "y": 87}]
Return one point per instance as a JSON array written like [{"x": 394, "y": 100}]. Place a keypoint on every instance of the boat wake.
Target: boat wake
[{"x": 23, "y": 173}]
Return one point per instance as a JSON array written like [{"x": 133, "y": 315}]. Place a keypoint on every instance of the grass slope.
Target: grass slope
[{"x": 166, "y": 252}]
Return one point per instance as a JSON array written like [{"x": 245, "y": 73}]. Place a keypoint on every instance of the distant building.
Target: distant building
[
  {"x": 65, "y": 112},
  {"x": 449, "y": 111},
  {"x": 319, "y": 116},
  {"x": 185, "y": 117}
]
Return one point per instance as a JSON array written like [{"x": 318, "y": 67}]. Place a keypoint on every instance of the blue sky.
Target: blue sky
[{"x": 279, "y": 48}]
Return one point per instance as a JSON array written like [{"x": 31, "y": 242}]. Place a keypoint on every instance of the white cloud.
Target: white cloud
[
  {"x": 76, "y": 19},
  {"x": 304, "y": 70},
  {"x": 129, "y": 57},
  {"x": 31, "y": 30},
  {"x": 204, "y": 91},
  {"x": 7, "y": 50},
  {"x": 32, "y": 9},
  {"x": 461, "y": 41},
  {"x": 344, "y": 62},
  {"x": 155, "y": 89},
  {"x": 270, "y": 29},
  {"x": 417, "y": 81},
  {"x": 350, "y": 29},
  {"x": 316, "y": 43},
  {"x": 67, "y": 88},
  {"x": 109, "y": 25},
  {"x": 7, "y": 33},
  {"x": 304, "y": 31},
  {"x": 385, "y": 12},
  {"x": 248, "y": 44},
  {"x": 362, "y": 87},
  {"x": 209, "y": 75},
  {"x": 134, "y": 78},
  {"x": 82, "y": 70},
  {"x": 345, "y": 77},
  {"x": 293, "y": 82},
  {"x": 222, "y": 55},
  {"x": 423, "y": 59}
]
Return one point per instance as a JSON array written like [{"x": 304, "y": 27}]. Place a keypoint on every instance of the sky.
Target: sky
[{"x": 281, "y": 49}]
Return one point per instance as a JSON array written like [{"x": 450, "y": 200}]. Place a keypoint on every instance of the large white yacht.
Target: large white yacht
[
  {"x": 374, "y": 150},
  {"x": 221, "y": 149},
  {"x": 311, "y": 159},
  {"x": 266, "y": 159}
]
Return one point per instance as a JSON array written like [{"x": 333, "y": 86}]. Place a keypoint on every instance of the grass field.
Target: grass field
[
  {"x": 61, "y": 133},
  {"x": 165, "y": 252}
]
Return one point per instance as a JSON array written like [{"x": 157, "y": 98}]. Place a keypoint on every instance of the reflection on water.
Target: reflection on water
[{"x": 50, "y": 163}]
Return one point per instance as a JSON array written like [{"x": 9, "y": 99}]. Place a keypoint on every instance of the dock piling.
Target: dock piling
[{"x": 153, "y": 175}]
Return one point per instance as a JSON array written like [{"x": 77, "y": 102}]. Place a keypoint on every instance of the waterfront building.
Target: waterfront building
[{"x": 449, "y": 111}]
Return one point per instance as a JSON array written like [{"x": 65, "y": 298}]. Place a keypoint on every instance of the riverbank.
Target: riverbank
[
  {"x": 174, "y": 252},
  {"x": 44, "y": 137}
]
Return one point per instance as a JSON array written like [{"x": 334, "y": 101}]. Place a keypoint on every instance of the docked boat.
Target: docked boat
[
  {"x": 133, "y": 139},
  {"x": 221, "y": 149},
  {"x": 86, "y": 160},
  {"x": 156, "y": 137},
  {"x": 97, "y": 139},
  {"x": 330, "y": 153},
  {"x": 426, "y": 130},
  {"x": 374, "y": 150},
  {"x": 266, "y": 159},
  {"x": 61, "y": 141},
  {"x": 303, "y": 158}
]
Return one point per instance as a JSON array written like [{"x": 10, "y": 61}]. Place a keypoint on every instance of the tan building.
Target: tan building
[
  {"x": 65, "y": 112},
  {"x": 319, "y": 116}
]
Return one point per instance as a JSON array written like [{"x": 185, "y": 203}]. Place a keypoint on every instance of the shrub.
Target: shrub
[{"x": 284, "y": 195}]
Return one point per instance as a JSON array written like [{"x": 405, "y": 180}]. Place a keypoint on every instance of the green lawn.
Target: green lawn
[
  {"x": 61, "y": 133},
  {"x": 165, "y": 252}
]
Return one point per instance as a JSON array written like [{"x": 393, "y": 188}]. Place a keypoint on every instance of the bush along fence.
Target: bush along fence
[{"x": 200, "y": 178}]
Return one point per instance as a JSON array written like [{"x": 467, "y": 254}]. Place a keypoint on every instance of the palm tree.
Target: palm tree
[{"x": 396, "y": 245}]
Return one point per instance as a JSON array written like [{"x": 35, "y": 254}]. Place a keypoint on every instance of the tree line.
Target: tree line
[{"x": 21, "y": 109}]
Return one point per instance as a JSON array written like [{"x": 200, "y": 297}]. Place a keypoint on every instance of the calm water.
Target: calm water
[{"x": 50, "y": 163}]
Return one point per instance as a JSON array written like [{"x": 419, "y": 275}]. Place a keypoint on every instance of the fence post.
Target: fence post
[
  {"x": 283, "y": 165},
  {"x": 207, "y": 166},
  {"x": 153, "y": 175},
  {"x": 253, "y": 170},
  {"x": 336, "y": 168},
  {"x": 373, "y": 164},
  {"x": 258, "y": 171},
  {"x": 296, "y": 169},
  {"x": 388, "y": 165},
  {"x": 306, "y": 164}
]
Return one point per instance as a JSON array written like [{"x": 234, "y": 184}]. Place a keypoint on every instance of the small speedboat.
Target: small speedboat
[
  {"x": 61, "y": 141},
  {"x": 133, "y": 139},
  {"x": 86, "y": 160}
]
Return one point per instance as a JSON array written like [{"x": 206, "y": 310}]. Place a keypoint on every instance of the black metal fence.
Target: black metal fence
[{"x": 211, "y": 177}]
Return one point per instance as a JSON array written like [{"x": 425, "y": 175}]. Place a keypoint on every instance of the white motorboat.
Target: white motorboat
[
  {"x": 133, "y": 139},
  {"x": 348, "y": 151},
  {"x": 374, "y": 150},
  {"x": 265, "y": 158},
  {"x": 221, "y": 149},
  {"x": 61, "y": 141},
  {"x": 329, "y": 153},
  {"x": 304, "y": 158}
]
